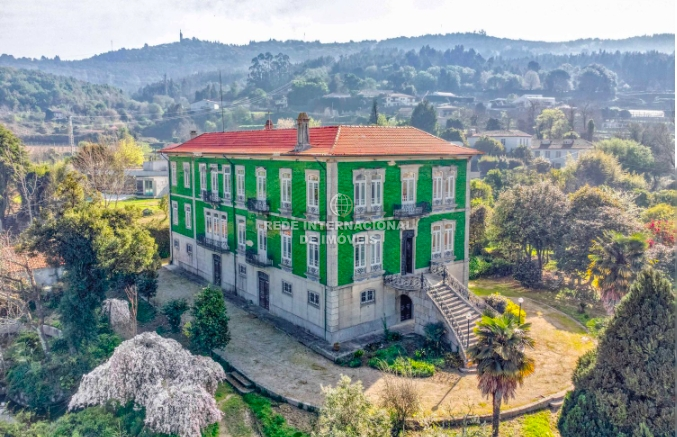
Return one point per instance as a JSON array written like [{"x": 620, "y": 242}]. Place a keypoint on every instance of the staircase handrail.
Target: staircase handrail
[
  {"x": 446, "y": 312},
  {"x": 461, "y": 290}
]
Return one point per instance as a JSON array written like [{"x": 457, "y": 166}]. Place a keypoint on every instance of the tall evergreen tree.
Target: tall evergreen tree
[
  {"x": 626, "y": 387},
  {"x": 373, "y": 118},
  {"x": 424, "y": 117},
  {"x": 13, "y": 158}
]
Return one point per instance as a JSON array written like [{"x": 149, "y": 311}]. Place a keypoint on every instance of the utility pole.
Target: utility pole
[{"x": 70, "y": 134}]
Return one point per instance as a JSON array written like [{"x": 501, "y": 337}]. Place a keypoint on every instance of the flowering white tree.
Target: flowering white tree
[{"x": 175, "y": 387}]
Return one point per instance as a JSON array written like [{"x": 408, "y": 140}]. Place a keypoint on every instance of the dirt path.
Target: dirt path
[{"x": 277, "y": 361}]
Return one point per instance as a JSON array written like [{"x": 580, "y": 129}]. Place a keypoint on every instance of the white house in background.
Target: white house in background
[
  {"x": 204, "y": 105},
  {"x": 152, "y": 180},
  {"x": 281, "y": 102},
  {"x": 398, "y": 99},
  {"x": 511, "y": 139},
  {"x": 528, "y": 99},
  {"x": 558, "y": 151}
]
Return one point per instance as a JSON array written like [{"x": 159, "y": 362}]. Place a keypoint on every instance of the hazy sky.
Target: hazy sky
[{"x": 76, "y": 29}]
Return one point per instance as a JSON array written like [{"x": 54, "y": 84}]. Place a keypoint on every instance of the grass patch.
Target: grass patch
[
  {"x": 272, "y": 424},
  {"x": 234, "y": 411},
  {"x": 146, "y": 312},
  {"x": 211, "y": 430},
  {"x": 537, "y": 425},
  {"x": 395, "y": 359}
]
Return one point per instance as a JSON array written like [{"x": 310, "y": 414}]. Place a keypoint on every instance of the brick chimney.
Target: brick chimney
[
  {"x": 302, "y": 133},
  {"x": 269, "y": 125}
]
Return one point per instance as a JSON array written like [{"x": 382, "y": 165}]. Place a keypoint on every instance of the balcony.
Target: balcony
[
  {"x": 368, "y": 212},
  {"x": 213, "y": 244},
  {"x": 405, "y": 283},
  {"x": 411, "y": 210},
  {"x": 258, "y": 259},
  {"x": 258, "y": 205},
  {"x": 210, "y": 196}
]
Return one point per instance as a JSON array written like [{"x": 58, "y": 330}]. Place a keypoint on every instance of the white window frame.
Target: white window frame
[
  {"x": 448, "y": 238},
  {"x": 409, "y": 187},
  {"x": 285, "y": 188},
  {"x": 172, "y": 166},
  {"x": 189, "y": 251},
  {"x": 262, "y": 238},
  {"x": 240, "y": 182},
  {"x": 241, "y": 234},
  {"x": 188, "y": 215},
  {"x": 442, "y": 240},
  {"x": 203, "y": 177},
  {"x": 360, "y": 191},
  {"x": 436, "y": 241},
  {"x": 214, "y": 175},
  {"x": 226, "y": 182},
  {"x": 368, "y": 297},
  {"x": 286, "y": 243},
  {"x": 450, "y": 188},
  {"x": 314, "y": 298},
  {"x": 377, "y": 190},
  {"x": 175, "y": 212},
  {"x": 375, "y": 252},
  {"x": 313, "y": 253},
  {"x": 438, "y": 190},
  {"x": 261, "y": 184},
  {"x": 287, "y": 288},
  {"x": 360, "y": 253},
  {"x": 186, "y": 175},
  {"x": 312, "y": 192}
]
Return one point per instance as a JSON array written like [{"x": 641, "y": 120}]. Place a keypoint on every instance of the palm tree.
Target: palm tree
[
  {"x": 500, "y": 359},
  {"x": 614, "y": 262}
]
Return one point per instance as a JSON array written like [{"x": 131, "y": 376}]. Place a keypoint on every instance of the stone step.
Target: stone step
[
  {"x": 242, "y": 379},
  {"x": 236, "y": 385}
]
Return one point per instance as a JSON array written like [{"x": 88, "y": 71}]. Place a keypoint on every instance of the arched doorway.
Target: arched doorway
[{"x": 406, "y": 308}]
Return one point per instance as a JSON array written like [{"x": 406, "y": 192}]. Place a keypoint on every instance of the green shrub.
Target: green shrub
[
  {"x": 209, "y": 328},
  {"x": 477, "y": 267},
  {"x": 434, "y": 336},
  {"x": 211, "y": 430},
  {"x": 527, "y": 273},
  {"x": 146, "y": 283},
  {"x": 355, "y": 362},
  {"x": 160, "y": 233},
  {"x": 173, "y": 310},
  {"x": 358, "y": 353},
  {"x": 667, "y": 196},
  {"x": 146, "y": 312},
  {"x": 597, "y": 324},
  {"x": 453, "y": 360},
  {"x": 497, "y": 302},
  {"x": 394, "y": 358}
]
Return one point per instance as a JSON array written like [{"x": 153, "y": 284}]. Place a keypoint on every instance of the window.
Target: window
[
  {"x": 286, "y": 288},
  {"x": 314, "y": 254},
  {"x": 286, "y": 247},
  {"x": 360, "y": 191},
  {"x": 262, "y": 233},
  {"x": 450, "y": 188},
  {"x": 437, "y": 186},
  {"x": 239, "y": 176},
  {"x": 448, "y": 239},
  {"x": 215, "y": 182},
  {"x": 313, "y": 195},
  {"x": 285, "y": 188},
  {"x": 186, "y": 175},
  {"x": 367, "y": 297},
  {"x": 176, "y": 244},
  {"x": 173, "y": 170},
  {"x": 203, "y": 177},
  {"x": 242, "y": 277},
  {"x": 314, "y": 298},
  {"x": 376, "y": 252},
  {"x": 241, "y": 235},
  {"x": 216, "y": 225},
  {"x": 226, "y": 182},
  {"x": 360, "y": 246},
  {"x": 189, "y": 250},
  {"x": 188, "y": 216},
  {"x": 376, "y": 191},
  {"x": 175, "y": 212},
  {"x": 409, "y": 187},
  {"x": 208, "y": 224},
  {"x": 436, "y": 241},
  {"x": 261, "y": 184},
  {"x": 242, "y": 269},
  {"x": 537, "y": 153},
  {"x": 558, "y": 154},
  {"x": 547, "y": 153}
]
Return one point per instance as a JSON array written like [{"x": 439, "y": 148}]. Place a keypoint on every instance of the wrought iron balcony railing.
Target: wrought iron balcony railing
[
  {"x": 411, "y": 282},
  {"x": 210, "y": 196},
  {"x": 411, "y": 210},
  {"x": 215, "y": 244},
  {"x": 258, "y": 259},
  {"x": 258, "y": 205}
]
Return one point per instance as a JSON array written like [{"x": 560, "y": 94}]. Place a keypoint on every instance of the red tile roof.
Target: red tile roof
[
  {"x": 325, "y": 141},
  {"x": 12, "y": 262}
]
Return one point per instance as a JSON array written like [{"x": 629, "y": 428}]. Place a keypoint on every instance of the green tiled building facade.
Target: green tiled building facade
[{"x": 307, "y": 223}]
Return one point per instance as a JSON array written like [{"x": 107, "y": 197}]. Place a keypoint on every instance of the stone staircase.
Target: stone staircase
[
  {"x": 456, "y": 310},
  {"x": 240, "y": 382}
]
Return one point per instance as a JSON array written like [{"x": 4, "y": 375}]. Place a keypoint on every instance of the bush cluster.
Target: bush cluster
[{"x": 485, "y": 267}]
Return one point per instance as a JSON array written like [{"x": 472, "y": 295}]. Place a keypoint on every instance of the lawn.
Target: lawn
[
  {"x": 512, "y": 289},
  {"x": 140, "y": 205},
  {"x": 539, "y": 424}
]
